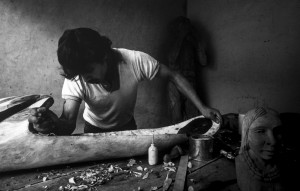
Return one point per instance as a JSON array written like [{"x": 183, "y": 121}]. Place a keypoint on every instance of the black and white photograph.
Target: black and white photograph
[{"x": 145, "y": 95}]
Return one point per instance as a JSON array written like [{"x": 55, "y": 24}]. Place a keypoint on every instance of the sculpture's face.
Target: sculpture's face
[{"x": 264, "y": 136}]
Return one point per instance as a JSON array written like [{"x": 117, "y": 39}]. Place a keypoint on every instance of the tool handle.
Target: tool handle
[{"x": 48, "y": 103}]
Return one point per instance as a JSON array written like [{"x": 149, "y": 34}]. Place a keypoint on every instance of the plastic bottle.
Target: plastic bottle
[{"x": 152, "y": 153}]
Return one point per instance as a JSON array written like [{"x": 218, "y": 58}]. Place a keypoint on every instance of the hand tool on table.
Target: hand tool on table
[{"x": 205, "y": 164}]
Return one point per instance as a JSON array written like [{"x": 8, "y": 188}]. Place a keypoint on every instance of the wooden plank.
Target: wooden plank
[{"x": 181, "y": 174}]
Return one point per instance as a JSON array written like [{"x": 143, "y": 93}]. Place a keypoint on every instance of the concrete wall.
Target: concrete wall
[
  {"x": 254, "y": 53},
  {"x": 29, "y": 31},
  {"x": 253, "y": 48}
]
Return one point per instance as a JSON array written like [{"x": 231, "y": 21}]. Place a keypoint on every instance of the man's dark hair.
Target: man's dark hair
[{"x": 77, "y": 48}]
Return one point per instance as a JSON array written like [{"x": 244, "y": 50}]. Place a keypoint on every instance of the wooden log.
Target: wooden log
[
  {"x": 11, "y": 105},
  {"x": 22, "y": 149}
]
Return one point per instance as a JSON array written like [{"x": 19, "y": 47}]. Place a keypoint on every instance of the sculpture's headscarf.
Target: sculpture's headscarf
[{"x": 249, "y": 118}]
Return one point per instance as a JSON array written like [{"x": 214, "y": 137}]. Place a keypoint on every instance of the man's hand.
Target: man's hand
[
  {"x": 43, "y": 120},
  {"x": 212, "y": 114}
]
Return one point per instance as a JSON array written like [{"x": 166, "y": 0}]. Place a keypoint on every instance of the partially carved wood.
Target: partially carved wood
[{"x": 22, "y": 149}]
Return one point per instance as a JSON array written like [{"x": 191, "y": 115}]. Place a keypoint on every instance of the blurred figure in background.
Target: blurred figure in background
[{"x": 186, "y": 55}]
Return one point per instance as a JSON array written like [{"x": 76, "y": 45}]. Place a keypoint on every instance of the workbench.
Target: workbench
[
  {"x": 123, "y": 174},
  {"x": 117, "y": 174}
]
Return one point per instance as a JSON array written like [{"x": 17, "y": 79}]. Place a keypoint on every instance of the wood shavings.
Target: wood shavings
[
  {"x": 137, "y": 174},
  {"x": 81, "y": 187},
  {"x": 111, "y": 168},
  {"x": 92, "y": 177},
  {"x": 170, "y": 166},
  {"x": 131, "y": 162},
  {"x": 173, "y": 169},
  {"x": 89, "y": 179},
  {"x": 190, "y": 165},
  {"x": 146, "y": 175},
  {"x": 140, "y": 168},
  {"x": 72, "y": 181}
]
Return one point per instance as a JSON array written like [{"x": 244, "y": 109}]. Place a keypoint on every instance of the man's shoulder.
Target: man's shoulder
[
  {"x": 74, "y": 80},
  {"x": 129, "y": 53},
  {"x": 128, "y": 56},
  {"x": 77, "y": 82},
  {"x": 125, "y": 52},
  {"x": 135, "y": 57}
]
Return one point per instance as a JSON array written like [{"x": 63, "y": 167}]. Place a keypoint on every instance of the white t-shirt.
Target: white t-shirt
[{"x": 110, "y": 109}]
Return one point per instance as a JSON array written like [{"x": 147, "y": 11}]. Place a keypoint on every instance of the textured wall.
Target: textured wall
[
  {"x": 29, "y": 31},
  {"x": 254, "y": 53}
]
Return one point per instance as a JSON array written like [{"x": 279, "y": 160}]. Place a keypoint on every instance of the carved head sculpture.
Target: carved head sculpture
[
  {"x": 257, "y": 164},
  {"x": 261, "y": 134}
]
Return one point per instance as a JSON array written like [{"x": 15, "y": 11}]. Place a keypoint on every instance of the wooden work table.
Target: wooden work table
[{"x": 217, "y": 174}]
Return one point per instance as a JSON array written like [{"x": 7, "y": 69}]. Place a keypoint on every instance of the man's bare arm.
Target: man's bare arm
[
  {"x": 66, "y": 124},
  {"x": 188, "y": 91}
]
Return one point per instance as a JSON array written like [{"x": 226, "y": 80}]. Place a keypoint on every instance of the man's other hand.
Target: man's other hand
[
  {"x": 212, "y": 114},
  {"x": 43, "y": 120}
]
